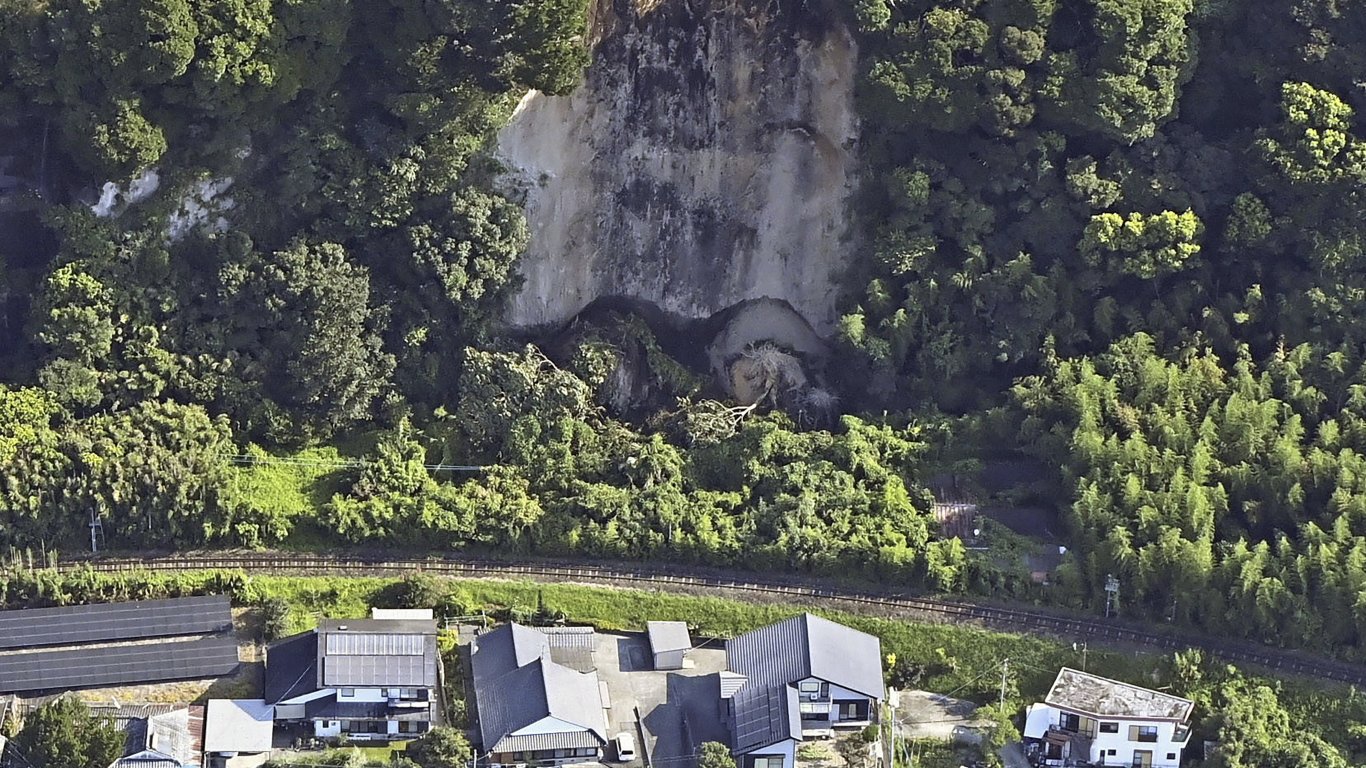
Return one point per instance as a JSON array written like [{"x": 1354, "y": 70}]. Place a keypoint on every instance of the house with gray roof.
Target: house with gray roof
[
  {"x": 796, "y": 680},
  {"x": 537, "y": 696},
  {"x": 157, "y": 735},
  {"x": 367, "y": 679}
]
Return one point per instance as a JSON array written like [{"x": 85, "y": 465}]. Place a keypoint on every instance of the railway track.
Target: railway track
[{"x": 934, "y": 609}]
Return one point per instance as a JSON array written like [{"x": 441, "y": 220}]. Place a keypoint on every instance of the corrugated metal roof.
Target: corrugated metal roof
[
  {"x": 572, "y": 646},
  {"x": 765, "y": 709},
  {"x": 668, "y": 636},
  {"x": 147, "y": 758},
  {"x": 809, "y": 646}
]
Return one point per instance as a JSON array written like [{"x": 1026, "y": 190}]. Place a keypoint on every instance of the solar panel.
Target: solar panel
[
  {"x": 343, "y": 644},
  {"x": 106, "y": 622},
  {"x": 117, "y": 665}
]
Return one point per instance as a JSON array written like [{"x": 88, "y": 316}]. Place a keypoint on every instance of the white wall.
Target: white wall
[
  {"x": 788, "y": 750},
  {"x": 362, "y": 694},
  {"x": 548, "y": 725},
  {"x": 325, "y": 729},
  {"x": 1101, "y": 743},
  {"x": 668, "y": 659}
]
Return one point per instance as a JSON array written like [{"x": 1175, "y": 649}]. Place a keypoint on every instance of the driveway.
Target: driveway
[{"x": 668, "y": 711}]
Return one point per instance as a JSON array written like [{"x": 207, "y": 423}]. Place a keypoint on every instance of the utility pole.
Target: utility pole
[
  {"x": 1005, "y": 671},
  {"x": 95, "y": 525},
  {"x": 1081, "y": 647},
  {"x": 1111, "y": 593}
]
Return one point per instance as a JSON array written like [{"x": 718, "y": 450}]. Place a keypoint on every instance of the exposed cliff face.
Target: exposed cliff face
[{"x": 706, "y": 159}]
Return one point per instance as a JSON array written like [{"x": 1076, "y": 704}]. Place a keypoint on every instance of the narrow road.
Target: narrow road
[{"x": 788, "y": 588}]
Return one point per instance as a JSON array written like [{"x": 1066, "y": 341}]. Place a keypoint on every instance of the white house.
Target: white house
[
  {"x": 796, "y": 680},
  {"x": 537, "y": 696},
  {"x": 1087, "y": 719},
  {"x": 370, "y": 679}
]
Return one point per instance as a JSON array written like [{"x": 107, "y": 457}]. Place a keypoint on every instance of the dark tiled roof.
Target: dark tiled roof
[
  {"x": 291, "y": 667},
  {"x": 517, "y": 683}
]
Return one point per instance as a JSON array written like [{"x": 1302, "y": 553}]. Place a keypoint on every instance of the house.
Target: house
[
  {"x": 1094, "y": 720},
  {"x": 238, "y": 733},
  {"x": 158, "y": 735},
  {"x": 537, "y": 696},
  {"x": 669, "y": 640},
  {"x": 796, "y": 680},
  {"x": 367, "y": 679}
]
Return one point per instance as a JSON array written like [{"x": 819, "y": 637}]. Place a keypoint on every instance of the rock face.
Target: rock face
[{"x": 706, "y": 159}]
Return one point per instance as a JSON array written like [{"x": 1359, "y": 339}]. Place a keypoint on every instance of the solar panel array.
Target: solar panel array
[
  {"x": 344, "y": 644},
  {"x": 107, "y": 622},
  {"x": 375, "y": 671},
  {"x": 117, "y": 665}
]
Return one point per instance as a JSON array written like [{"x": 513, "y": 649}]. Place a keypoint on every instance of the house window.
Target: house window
[
  {"x": 812, "y": 709},
  {"x": 1109, "y": 727},
  {"x": 1069, "y": 722},
  {"x": 1146, "y": 733},
  {"x": 346, "y": 725},
  {"x": 348, "y": 692},
  {"x": 1142, "y": 758},
  {"x": 811, "y": 686},
  {"x": 1112, "y": 752},
  {"x": 586, "y": 752},
  {"x": 1171, "y": 755},
  {"x": 767, "y": 762}
]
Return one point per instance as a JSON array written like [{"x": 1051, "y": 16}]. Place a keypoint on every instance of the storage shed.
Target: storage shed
[{"x": 669, "y": 640}]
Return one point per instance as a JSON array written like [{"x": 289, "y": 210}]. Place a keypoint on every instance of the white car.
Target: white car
[{"x": 626, "y": 747}]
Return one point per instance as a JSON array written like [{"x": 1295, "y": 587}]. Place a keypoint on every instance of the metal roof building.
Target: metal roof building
[
  {"x": 518, "y": 684},
  {"x": 767, "y": 666},
  {"x": 669, "y": 641}
]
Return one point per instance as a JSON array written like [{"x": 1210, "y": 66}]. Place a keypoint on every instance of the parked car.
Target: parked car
[{"x": 626, "y": 747}]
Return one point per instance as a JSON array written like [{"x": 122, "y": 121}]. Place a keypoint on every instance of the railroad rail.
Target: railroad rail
[{"x": 934, "y": 609}]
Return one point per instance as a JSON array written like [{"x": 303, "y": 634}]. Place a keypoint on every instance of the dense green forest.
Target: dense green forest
[{"x": 1121, "y": 238}]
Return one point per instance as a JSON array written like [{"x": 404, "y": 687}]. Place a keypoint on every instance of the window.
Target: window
[
  {"x": 1143, "y": 733},
  {"x": 812, "y": 709},
  {"x": 1069, "y": 722},
  {"x": 346, "y": 725},
  {"x": 767, "y": 762},
  {"x": 1111, "y": 752},
  {"x": 1109, "y": 727},
  {"x": 1142, "y": 758},
  {"x": 348, "y": 692},
  {"x": 811, "y": 686},
  {"x": 586, "y": 752},
  {"x": 1171, "y": 755}
]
